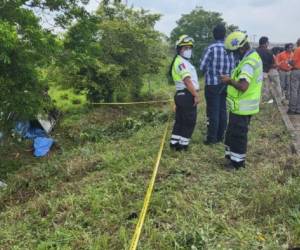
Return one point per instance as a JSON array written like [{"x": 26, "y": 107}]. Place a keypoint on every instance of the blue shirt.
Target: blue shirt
[{"x": 216, "y": 61}]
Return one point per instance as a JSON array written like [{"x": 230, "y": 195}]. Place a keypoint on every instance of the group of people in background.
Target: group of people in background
[
  {"x": 237, "y": 78},
  {"x": 282, "y": 71}
]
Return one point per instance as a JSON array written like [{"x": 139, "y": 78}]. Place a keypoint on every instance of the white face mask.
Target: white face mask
[{"x": 187, "y": 53}]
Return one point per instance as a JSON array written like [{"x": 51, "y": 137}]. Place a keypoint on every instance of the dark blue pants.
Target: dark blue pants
[
  {"x": 185, "y": 119},
  {"x": 236, "y": 139},
  {"x": 216, "y": 113}
]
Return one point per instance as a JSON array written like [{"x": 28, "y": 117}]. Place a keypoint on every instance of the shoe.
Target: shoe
[
  {"x": 181, "y": 148},
  {"x": 238, "y": 165},
  {"x": 290, "y": 112},
  {"x": 227, "y": 158}
]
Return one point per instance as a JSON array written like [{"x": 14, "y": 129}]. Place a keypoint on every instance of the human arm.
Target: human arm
[
  {"x": 241, "y": 85},
  {"x": 190, "y": 86},
  {"x": 243, "y": 79},
  {"x": 275, "y": 65}
]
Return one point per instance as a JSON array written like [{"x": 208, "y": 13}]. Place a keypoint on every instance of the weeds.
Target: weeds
[
  {"x": 90, "y": 196},
  {"x": 123, "y": 128}
]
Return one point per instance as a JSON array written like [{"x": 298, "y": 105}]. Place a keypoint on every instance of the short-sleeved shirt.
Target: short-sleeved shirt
[
  {"x": 282, "y": 60},
  {"x": 267, "y": 58},
  {"x": 182, "y": 68},
  {"x": 296, "y": 58},
  {"x": 216, "y": 61}
]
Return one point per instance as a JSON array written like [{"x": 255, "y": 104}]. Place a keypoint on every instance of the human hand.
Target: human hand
[
  {"x": 225, "y": 79},
  {"x": 174, "y": 108},
  {"x": 291, "y": 62},
  {"x": 196, "y": 100}
]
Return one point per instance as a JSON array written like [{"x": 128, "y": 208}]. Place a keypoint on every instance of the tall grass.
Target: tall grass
[{"x": 89, "y": 197}]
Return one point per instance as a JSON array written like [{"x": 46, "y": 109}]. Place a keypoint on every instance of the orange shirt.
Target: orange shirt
[
  {"x": 296, "y": 58},
  {"x": 282, "y": 60}
]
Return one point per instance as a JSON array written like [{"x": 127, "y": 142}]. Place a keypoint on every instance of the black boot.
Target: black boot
[
  {"x": 180, "y": 148},
  {"x": 174, "y": 146},
  {"x": 238, "y": 165}
]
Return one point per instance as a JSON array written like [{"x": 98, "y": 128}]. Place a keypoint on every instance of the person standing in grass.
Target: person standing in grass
[
  {"x": 186, "y": 98},
  {"x": 283, "y": 61},
  {"x": 243, "y": 97},
  {"x": 294, "y": 104},
  {"x": 216, "y": 61}
]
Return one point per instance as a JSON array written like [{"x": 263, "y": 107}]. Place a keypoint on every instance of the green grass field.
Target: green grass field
[{"x": 88, "y": 193}]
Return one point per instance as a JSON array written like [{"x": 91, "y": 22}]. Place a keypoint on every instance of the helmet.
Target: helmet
[
  {"x": 184, "y": 40},
  {"x": 236, "y": 40}
]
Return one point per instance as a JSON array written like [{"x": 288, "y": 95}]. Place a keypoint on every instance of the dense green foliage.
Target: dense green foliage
[
  {"x": 25, "y": 47},
  {"x": 199, "y": 24},
  {"x": 109, "y": 53},
  {"x": 104, "y": 55}
]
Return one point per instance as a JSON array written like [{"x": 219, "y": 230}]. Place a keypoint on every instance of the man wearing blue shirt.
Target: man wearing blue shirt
[{"x": 215, "y": 62}]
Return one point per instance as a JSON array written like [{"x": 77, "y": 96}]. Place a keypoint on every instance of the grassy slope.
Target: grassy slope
[{"x": 89, "y": 196}]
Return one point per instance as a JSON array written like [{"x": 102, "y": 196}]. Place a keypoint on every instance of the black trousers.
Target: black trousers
[
  {"x": 215, "y": 96},
  {"x": 185, "y": 118},
  {"x": 236, "y": 139}
]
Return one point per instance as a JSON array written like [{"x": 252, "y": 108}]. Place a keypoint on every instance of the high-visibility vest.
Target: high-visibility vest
[{"x": 246, "y": 103}]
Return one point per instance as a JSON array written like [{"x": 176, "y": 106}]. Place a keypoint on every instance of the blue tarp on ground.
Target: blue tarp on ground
[
  {"x": 41, "y": 141},
  {"x": 42, "y": 146}
]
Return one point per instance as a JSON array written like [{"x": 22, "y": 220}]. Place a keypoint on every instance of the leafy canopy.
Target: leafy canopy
[{"x": 25, "y": 47}]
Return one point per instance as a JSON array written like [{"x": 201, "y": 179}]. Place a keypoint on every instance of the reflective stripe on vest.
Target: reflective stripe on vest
[{"x": 246, "y": 103}]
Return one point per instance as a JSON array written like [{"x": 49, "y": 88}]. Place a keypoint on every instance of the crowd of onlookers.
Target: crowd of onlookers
[{"x": 282, "y": 71}]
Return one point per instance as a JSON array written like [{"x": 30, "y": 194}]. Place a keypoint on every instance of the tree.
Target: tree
[
  {"x": 199, "y": 25},
  {"x": 107, "y": 54},
  {"x": 63, "y": 11},
  {"x": 107, "y": 2},
  {"x": 25, "y": 46}
]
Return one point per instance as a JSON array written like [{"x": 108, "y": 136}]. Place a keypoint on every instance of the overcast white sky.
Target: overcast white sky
[{"x": 277, "y": 19}]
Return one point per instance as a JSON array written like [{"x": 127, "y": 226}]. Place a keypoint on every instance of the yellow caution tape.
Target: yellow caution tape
[
  {"x": 261, "y": 237},
  {"x": 139, "y": 226},
  {"x": 130, "y": 103}
]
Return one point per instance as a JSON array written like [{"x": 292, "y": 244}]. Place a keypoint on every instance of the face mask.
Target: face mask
[{"x": 187, "y": 54}]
